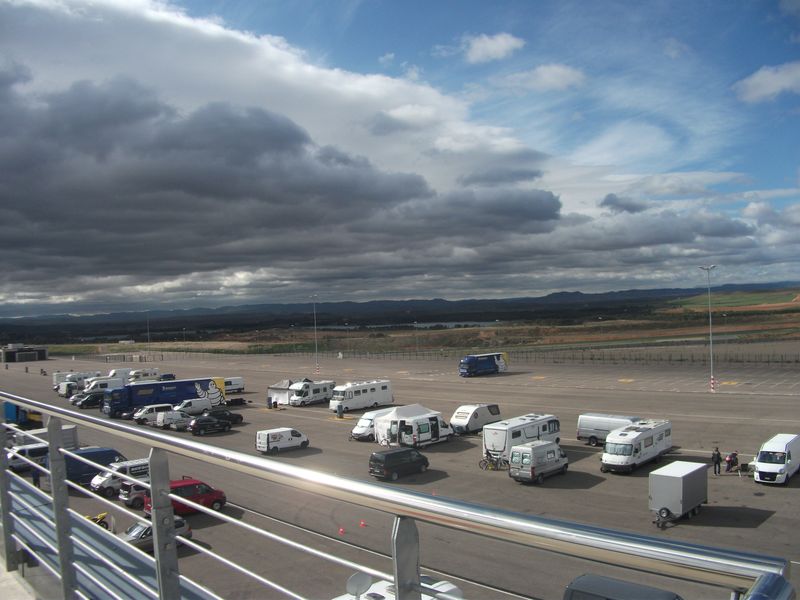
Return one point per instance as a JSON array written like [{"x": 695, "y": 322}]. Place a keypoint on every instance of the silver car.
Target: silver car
[{"x": 140, "y": 534}]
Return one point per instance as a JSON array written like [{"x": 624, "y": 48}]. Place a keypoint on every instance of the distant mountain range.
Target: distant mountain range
[{"x": 202, "y": 323}]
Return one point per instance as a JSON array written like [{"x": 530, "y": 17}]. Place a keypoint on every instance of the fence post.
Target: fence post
[
  {"x": 164, "y": 544},
  {"x": 10, "y": 547},
  {"x": 405, "y": 554},
  {"x": 60, "y": 493}
]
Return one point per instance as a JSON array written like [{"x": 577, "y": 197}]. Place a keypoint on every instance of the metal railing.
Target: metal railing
[{"x": 746, "y": 575}]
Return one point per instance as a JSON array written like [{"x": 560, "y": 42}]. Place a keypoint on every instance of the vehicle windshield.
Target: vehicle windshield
[
  {"x": 619, "y": 449},
  {"x": 772, "y": 458},
  {"x": 338, "y": 393},
  {"x": 364, "y": 422},
  {"x": 137, "y": 529}
]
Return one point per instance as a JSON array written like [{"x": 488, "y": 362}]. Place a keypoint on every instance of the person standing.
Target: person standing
[
  {"x": 716, "y": 460},
  {"x": 35, "y": 476}
]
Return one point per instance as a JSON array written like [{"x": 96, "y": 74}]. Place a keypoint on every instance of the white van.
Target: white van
[
  {"x": 412, "y": 425},
  {"x": 533, "y": 461},
  {"x": 594, "y": 427},
  {"x": 108, "y": 483},
  {"x": 273, "y": 440},
  {"x": 147, "y": 415},
  {"x": 194, "y": 406},
  {"x": 33, "y": 452},
  {"x": 308, "y": 392},
  {"x": 66, "y": 389},
  {"x": 234, "y": 385},
  {"x": 365, "y": 428},
  {"x": 470, "y": 418},
  {"x": 173, "y": 419},
  {"x": 500, "y": 437},
  {"x": 95, "y": 384},
  {"x": 361, "y": 394},
  {"x": 150, "y": 374},
  {"x": 778, "y": 459},
  {"x": 636, "y": 444}
]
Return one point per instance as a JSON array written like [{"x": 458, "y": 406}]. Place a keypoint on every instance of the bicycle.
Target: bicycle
[{"x": 489, "y": 463}]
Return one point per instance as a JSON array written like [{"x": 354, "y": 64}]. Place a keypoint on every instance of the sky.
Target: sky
[{"x": 160, "y": 154}]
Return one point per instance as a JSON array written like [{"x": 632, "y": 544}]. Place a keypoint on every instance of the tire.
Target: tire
[
  {"x": 195, "y": 432},
  {"x": 394, "y": 476},
  {"x": 371, "y": 438},
  {"x": 564, "y": 469},
  {"x": 103, "y": 524},
  {"x": 109, "y": 492},
  {"x": 216, "y": 506},
  {"x": 558, "y": 440},
  {"x": 603, "y": 469},
  {"x": 302, "y": 404},
  {"x": 423, "y": 468},
  {"x": 374, "y": 405},
  {"x": 593, "y": 441},
  {"x": 483, "y": 464},
  {"x": 664, "y": 513},
  {"x": 273, "y": 450},
  {"x": 137, "y": 504},
  {"x": 539, "y": 479},
  {"x": 200, "y": 432},
  {"x": 227, "y": 428},
  {"x": 304, "y": 444}
]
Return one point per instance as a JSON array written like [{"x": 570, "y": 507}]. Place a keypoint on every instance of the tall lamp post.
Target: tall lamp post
[
  {"x": 712, "y": 382},
  {"x": 316, "y": 353}
]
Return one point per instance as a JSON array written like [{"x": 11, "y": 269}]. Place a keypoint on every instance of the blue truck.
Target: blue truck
[
  {"x": 23, "y": 418},
  {"x": 128, "y": 398},
  {"x": 483, "y": 364}
]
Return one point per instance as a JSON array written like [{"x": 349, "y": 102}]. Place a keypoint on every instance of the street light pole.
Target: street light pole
[
  {"x": 316, "y": 352},
  {"x": 712, "y": 382}
]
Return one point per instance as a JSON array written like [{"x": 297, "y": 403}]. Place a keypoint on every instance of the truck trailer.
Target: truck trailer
[
  {"x": 678, "y": 489},
  {"x": 136, "y": 395}
]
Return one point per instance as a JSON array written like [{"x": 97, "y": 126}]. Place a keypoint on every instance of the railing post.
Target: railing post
[
  {"x": 60, "y": 494},
  {"x": 9, "y": 546},
  {"x": 405, "y": 554},
  {"x": 163, "y": 519}
]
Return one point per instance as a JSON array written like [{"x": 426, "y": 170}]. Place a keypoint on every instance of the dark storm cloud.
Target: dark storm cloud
[
  {"x": 617, "y": 204},
  {"x": 500, "y": 176}
]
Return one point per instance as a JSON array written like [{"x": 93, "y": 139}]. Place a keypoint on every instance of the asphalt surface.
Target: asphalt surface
[{"x": 751, "y": 405}]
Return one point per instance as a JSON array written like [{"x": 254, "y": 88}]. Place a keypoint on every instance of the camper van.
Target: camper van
[
  {"x": 234, "y": 385},
  {"x": 271, "y": 441},
  {"x": 108, "y": 483},
  {"x": 500, "y": 437},
  {"x": 628, "y": 447},
  {"x": 365, "y": 428},
  {"x": 533, "y": 461},
  {"x": 411, "y": 425},
  {"x": 308, "y": 392},
  {"x": 363, "y": 394},
  {"x": 470, "y": 418},
  {"x": 80, "y": 378},
  {"x": 778, "y": 459},
  {"x": 149, "y": 374},
  {"x": 594, "y": 427}
]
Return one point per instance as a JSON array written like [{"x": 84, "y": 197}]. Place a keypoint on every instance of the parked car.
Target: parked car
[
  {"x": 140, "y": 534},
  {"x": 203, "y": 424},
  {"x": 224, "y": 415},
  {"x": 90, "y": 401},
  {"x": 194, "y": 490},
  {"x": 133, "y": 494},
  {"x": 391, "y": 464}
]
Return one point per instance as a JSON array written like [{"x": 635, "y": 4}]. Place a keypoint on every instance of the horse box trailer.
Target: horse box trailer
[
  {"x": 594, "y": 427},
  {"x": 678, "y": 489},
  {"x": 778, "y": 459},
  {"x": 636, "y": 444},
  {"x": 470, "y": 418},
  {"x": 500, "y": 437},
  {"x": 411, "y": 425},
  {"x": 362, "y": 394}
]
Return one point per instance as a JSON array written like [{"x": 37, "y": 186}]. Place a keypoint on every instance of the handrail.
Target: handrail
[{"x": 737, "y": 571}]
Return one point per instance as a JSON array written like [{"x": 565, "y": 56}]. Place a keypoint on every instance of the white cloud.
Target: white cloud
[
  {"x": 675, "y": 48},
  {"x": 484, "y": 48},
  {"x": 624, "y": 143},
  {"x": 387, "y": 59},
  {"x": 544, "y": 78},
  {"x": 768, "y": 82}
]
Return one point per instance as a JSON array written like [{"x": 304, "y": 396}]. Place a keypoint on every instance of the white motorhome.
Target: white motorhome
[
  {"x": 361, "y": 394},
  {"x": 365, "y": 428},
  {"x": 594, "y": 427},
  {"x": 628, "y": 447},
  {"x": 282, "y": 438},
  {"x": 149, "y": 374},
  {"x": 308, "y": 392},
  {"x": 78, "y": 380},
  {"x": 470, "y": 418},
  {"x": 234, "y": 385},
  {"x": 412, "y": 425},
  {"x": 778, "y": 459},
  {"x": 500, "y": 437},
  {"x": 103, "y": 383},
  {"x": 533, "y": 461}
]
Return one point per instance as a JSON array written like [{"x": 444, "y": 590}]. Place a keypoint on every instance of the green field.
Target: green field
[{"x": 736, "y": 299}]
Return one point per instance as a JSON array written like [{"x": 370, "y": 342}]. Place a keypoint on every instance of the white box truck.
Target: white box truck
[
  {"x": 470, "y": 418},
  {"x": 412, "y": 425},
  {"x": 678, "y": 489},
  {"x": 778, "y": 459},
  {"x": 500, "y": 437},
  {"x": 308, "y": 392},
  {"x": 629, "y": 447},
  {"x": 234, "y": 385},
  {"x": 595, "y": 427},
  {"x": 361, "y": 394}
]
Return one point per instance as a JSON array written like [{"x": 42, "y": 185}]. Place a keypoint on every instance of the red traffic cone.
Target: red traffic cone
[
  {"x": 362, "y": 523},
  {"x": 341, "y": 530}
]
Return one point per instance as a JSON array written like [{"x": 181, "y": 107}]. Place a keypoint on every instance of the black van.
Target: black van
[{"x": 390, "y": 464}]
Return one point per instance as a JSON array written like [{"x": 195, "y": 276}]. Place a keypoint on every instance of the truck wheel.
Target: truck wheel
[
  {"x": 302, "y": 404},
  {"x": 603, "y": 469},
  {"x": 394, "y": 476},
  {"x": 593, "y": 441},
  {"x": 664, "y": 513},
  {"x": 109, "y": 492},
  {"x": 273, "y": 450},
  {"x": 539, "y": 479}
]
